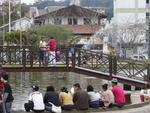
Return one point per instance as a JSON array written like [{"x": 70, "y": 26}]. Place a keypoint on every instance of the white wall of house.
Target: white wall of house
[
  {"x": 64, "y": 21},
  {"x": 80, "y": 20},
  {"x": 22, "y": 25},
  {"x": 129, "y": 10},
  {"x": 94, "y": 20}
]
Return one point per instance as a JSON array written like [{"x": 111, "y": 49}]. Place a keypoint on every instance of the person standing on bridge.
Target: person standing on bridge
[
  {"x": 118, "y": 93},
  {"x": 52, "y": 50}
]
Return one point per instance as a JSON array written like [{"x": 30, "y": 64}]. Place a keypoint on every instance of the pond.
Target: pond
[{"x": 21, "y": 83}]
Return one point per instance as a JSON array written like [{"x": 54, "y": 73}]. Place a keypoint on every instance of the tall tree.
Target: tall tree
[{"x": 15, "y": 11}]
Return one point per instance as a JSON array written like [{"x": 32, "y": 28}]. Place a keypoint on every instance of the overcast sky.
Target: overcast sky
[{"x": 31, "y": 1}]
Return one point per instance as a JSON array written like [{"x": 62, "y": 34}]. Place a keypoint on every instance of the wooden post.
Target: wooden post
[
  {"x": 114, "y": 65},
  {"x": 79, "y": 57},
  {"x": 74, "y": 58},
  {"x": 110, "y": 66},
  {"x": 148, "y": 75},
  {"x": 67, "y": 58},
  {"x": 31, "y": 56},
  {"x": 8, "y": 49},
  {"x": 24, "y": 57}
]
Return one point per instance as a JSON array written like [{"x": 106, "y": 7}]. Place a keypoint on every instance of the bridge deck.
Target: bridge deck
[{"x": 27, "y": 58}]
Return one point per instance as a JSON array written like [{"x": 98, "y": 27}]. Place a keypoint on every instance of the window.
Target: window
[
  {"x": 147, "y": 15},
  {"x": 57, "y": 21},
  {"x": 147, "y": 1},
  {"x": 87, "y": 21},
  {"x": 72, "y": 21}
]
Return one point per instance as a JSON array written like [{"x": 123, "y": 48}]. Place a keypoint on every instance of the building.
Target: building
[
  {"x": 81, "y": 21},
  {"x": 20, "y": 24},
  {"x": 131, "y": 10}
]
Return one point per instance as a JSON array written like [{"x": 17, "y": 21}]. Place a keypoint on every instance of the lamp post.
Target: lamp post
[
  {"x": 20, "y": 26},
  {"x": 9, "y": 17},
  {"x": 3, "y": 23},
  {"x": 148, "y": 38}
]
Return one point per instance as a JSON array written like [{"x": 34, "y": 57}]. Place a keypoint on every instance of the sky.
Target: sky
[{"x": 31, "y": 1}]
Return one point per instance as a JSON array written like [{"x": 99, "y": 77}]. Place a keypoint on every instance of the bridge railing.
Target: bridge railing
[
  {"x": 113, "y": 65},
  {"x": 27, "y": 56},
  {"x": 139, "y": 70},
  {"x": 94, "y": 60}
]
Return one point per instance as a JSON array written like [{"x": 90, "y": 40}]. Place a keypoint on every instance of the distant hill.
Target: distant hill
[{"x": 108, "y": 4}]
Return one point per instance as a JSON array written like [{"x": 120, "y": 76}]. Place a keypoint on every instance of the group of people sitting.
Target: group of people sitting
[{"x": 77, "y": 98}]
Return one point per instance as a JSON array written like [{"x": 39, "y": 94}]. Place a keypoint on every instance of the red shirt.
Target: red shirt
[
  {"x": 1, "y": 86},
  {"x": 52, "y": 44},
  {"x": 118, "y": 94}
]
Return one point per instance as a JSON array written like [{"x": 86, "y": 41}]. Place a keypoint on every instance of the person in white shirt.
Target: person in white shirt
[
  {"x": 94, "y": 97},
  {"x": 107, "y": 96},
  {"x": 42, "y": 51},
  {"x": 36, "y": 102}
]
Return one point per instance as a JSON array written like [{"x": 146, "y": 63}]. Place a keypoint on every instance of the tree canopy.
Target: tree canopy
[
  {"x": 34, "y": 35},
  {"x": 17, "y": 11}
]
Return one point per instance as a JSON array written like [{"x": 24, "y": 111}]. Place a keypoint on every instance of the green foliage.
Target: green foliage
[
  {"x": 34, "y": 35},
  {"x": 14, "y": 37},
  {"x": 15, "y": 11},
  {"x": 57, "y": 31},
  {"x": 73, "y": 40}
]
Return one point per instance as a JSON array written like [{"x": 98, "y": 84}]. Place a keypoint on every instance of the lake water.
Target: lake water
[{"x": 21, "y": 83}]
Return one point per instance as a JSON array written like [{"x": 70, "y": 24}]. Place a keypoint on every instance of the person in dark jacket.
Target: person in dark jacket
[
  {"x": 51, "y": 97},
  {"x": 7, "y": 96},
  {"x": 80, "y": 98}
]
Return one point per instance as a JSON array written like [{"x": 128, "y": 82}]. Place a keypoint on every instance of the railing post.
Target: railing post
[
  {"x": 148, "y": 75},
  {"x": 67, "y": 58},
  {"x": 110, "y": 66},
  {"x": 8, "y": 49},
  {"x": 31, "y": 56},
  {"x": 114, "y": 65},
  {"x": 74, "y": 58},
  {"x": 79, "y": 57},
  {"x": 23, "y": 56}
]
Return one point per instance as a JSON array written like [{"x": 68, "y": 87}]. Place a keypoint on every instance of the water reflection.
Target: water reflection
[{"x": 21, "y": 83}]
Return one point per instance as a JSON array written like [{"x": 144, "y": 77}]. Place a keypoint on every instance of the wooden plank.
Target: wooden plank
[{"x": 37, "y": 69}]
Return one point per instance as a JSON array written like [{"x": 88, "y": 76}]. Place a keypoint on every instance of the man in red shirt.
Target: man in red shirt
[
  {"x": 118, "y": 93},
  {"x": 52, "y": 48}
]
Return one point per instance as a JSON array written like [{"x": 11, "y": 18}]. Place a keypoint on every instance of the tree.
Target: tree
[
  {"x": 15, "y": 11},
  {"x": 56, "y": 31},
  {"x": 128, "y": 35},
  {"x": 14, "y": 37}
]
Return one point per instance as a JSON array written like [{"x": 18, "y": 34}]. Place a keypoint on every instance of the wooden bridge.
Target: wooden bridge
[{"x": 96, "y": 64}]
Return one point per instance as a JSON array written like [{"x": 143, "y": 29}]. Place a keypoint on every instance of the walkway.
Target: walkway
[{"x": 144, "y": 109}]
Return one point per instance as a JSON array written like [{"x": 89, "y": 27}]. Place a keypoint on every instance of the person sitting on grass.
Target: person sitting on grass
[
  {"x": 118, "y": 93},
  {"x": 66, "y": 99},
  {"x": 51, "y": 97},
  {"x": 35, "y": 102},
  {"x": 107, "y": 96},
  {"x": 80, "y": 98},
  {"x": 94, "y": 98}
]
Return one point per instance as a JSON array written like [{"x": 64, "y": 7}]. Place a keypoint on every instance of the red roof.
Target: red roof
[{"x": 82, "y": 29}]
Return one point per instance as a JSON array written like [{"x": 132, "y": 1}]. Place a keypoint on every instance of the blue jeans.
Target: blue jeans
[{"x": 8, "y": 107}]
